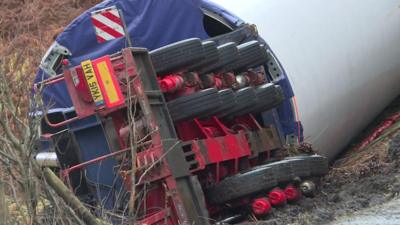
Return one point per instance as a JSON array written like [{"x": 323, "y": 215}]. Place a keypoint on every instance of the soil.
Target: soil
[
  {"x": 340, "y": 196},
  {"x": 362, "y": 186},
  {"x": 387, "y": 214}
]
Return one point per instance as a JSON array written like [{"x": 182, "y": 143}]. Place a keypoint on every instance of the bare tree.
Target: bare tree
[{"x": 29, "y": 195}]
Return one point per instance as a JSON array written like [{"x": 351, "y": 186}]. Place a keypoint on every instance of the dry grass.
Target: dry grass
[
  {"x": 357, "y": 163},
  {"x": 27, "y": 28}
]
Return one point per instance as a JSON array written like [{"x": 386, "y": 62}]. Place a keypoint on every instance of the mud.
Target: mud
[
  {"x": 343, "y": 193},
  {"x": 387, "y": 213}
]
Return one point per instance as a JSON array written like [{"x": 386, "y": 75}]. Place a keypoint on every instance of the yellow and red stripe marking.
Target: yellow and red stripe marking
[
  {"x": 108, "y": 24},
  {"x": 108, "y": 82},
  {"x": 297, "y": 116}
]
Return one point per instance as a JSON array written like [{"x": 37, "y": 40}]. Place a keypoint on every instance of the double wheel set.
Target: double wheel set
[
  {"x": 226, "y": 103},
  {"x": 266, "y": 177},
  {"x": 205, "y": 58}
]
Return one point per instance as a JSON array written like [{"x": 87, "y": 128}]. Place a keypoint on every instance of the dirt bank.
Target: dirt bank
[
  {"x": 387, "y": 214},
  {"x": 344, "y": 194},
  {"x": 360, "y": 179}
]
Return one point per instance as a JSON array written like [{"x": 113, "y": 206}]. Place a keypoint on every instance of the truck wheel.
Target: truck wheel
[
  {"x": 211, "y": 56},
  {"x": 177, "y": 56},
  {"x": 194, "y": 105},
  {"x": 245, "y": 98},
  {"x": 227, "y": 53},
  {"x": 265, "y": 99},
  {"x": 227, "y": 97},
  {"x": 265, "y": 177},
  {"x": 318, "y": 164},
  {"x": 251, "y": 54},
  {"x": 269, "y": 96}
]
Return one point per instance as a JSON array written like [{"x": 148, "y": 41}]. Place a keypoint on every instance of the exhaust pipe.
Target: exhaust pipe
[{"x": 47, "y": 159}]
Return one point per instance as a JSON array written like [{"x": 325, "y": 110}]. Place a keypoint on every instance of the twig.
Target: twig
[
  {"x": 156, "y": 162},
  {"x": 70, "y": 198},
  {"x": 3, "y": 205}
]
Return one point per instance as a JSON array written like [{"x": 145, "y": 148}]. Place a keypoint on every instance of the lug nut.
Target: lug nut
[
  {"x": 261, "y": 206},
  {"x": 277, "y": 197},
  {"x": 292, "y": 193},
  {"x": 307, "y": 188}
]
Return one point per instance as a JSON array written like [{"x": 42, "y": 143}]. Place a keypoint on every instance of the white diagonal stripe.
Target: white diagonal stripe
[
  {"x": 114, "y": 12},
  {"x": 103, "y": 34},
  {"x": 109, "y": 23}
]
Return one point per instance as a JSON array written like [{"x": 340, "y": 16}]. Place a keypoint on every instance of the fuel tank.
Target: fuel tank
[{"x": 342, "y": 58}]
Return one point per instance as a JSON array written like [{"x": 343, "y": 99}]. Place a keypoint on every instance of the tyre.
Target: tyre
[
  {"x": 227, "y": 53},
  {"x": 253, "y": 181},
  {"x": 177, "y": 56},
  {"x": 269, "y": 96},
  {"x": 318, "y": 164},
  {"x": 266, "y": 177},
  {"x": 228, "y": 101},
  {"x": 194, "y": 105},
  {"x": 266, "y": 98},
  {"x": 245, "y": 98},
  {"x": 251, "y": 54},
  {"x": 211, "y": 56}
]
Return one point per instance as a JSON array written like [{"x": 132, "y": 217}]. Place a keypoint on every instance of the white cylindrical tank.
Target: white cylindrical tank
[{"x": 342, "y": 58}]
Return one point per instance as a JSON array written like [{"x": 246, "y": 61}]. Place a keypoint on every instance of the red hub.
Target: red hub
[
  {"x": 292, "y": 193},
  {"x": 171, "y": 83},
  {"x": 277, "y": 197},
  {"x": 261, "y": 206}
]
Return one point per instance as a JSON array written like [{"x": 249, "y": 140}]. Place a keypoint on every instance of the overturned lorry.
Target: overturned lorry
[{"x": 196, "y": 131}]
